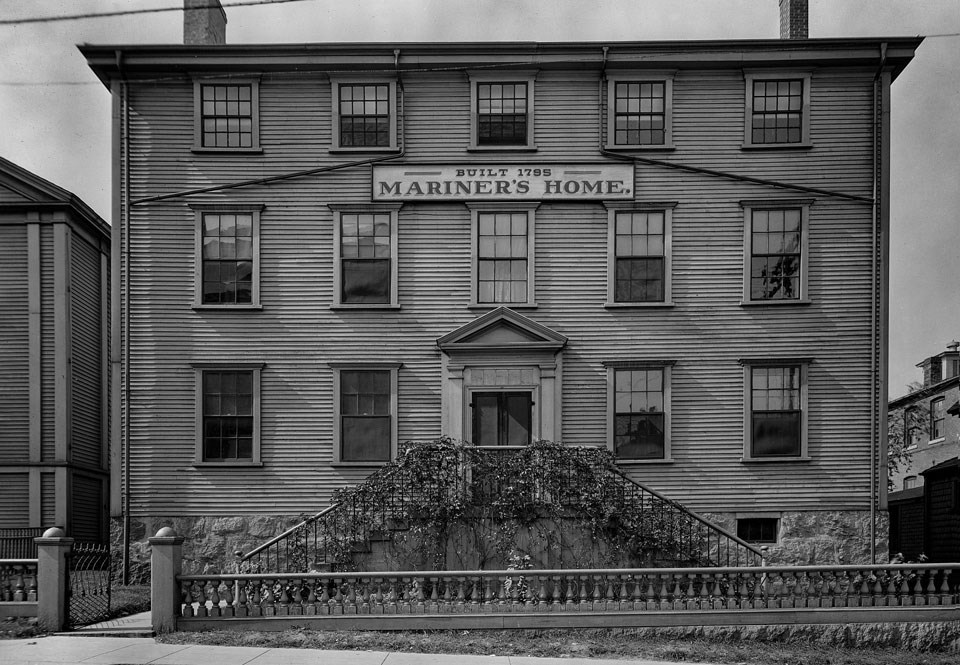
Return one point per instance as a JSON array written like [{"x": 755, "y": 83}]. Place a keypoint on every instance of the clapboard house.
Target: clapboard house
[
  {"x": 54, "y": 309},
  {"x": 673, "y": 249}
]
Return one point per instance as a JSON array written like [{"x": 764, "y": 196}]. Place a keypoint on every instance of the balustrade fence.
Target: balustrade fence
[
  {"x": 207, "y": 601},
  {"x": 18, "y": 582}
]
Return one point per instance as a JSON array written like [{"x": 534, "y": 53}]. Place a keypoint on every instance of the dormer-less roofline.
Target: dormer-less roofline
[{"x": 109, "y": 61}]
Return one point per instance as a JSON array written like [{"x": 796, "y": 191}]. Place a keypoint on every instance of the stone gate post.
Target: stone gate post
[
  {"x": 53, "y": 607},
  {"x": 165, "y": 563}
]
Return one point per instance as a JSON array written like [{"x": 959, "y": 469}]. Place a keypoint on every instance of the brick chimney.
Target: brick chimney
[
  {"x": 793, "y": 19},
  {"x": 204, "y": 22}
]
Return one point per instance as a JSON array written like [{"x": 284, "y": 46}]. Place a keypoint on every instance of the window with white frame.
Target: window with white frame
[
  {"x": 365, "y": 418},
  {"x": 227, "y": 256},
  {"x": 228, "y": 413},
  {"x": 776, "y": 251},
  {"x": 639, "y": 256},
  {"x": 365, "y": 237},
  {"x": 638, "y": 410},
  {"x": 640, "y": 110},
  {"x": 364, "y": 114},
  {"x": 503, "y": 244},
  {"x": 226, "y": 115},
  {"x": 776, "y": 410},
  {"x": 501, "y": 111},
  {"x": 777, "y": 109},
  {"x": 937, "y": 418}
]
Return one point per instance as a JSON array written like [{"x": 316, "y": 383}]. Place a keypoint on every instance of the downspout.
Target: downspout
[{"x": 878, "y": 449}]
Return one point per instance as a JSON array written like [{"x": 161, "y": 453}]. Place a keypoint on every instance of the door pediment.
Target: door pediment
[{"x": 500, "y": 330}]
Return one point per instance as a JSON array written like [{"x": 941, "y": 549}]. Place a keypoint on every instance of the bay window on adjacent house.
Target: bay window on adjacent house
[
  {"x": 365, "y": 425},
  {"x": 777, "y": 109},
  {"x": 227, "y": 256},
  {"x": 638, "y": 410},
  {"x": 501, "y": 111},
  {"x": 365, "y": 237},
  {"x": 776, "y": 252},
  {"x": 776, "y": 414},
  {"x": 228, "y": 413},
  {"x": 503, "y": 244},
  {"x": 226, "y": 115}
]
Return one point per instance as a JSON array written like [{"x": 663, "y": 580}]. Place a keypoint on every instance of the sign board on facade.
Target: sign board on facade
[{"x": 502, "y": 182}]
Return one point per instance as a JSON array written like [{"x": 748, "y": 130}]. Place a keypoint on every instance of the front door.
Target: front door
[{"x": 502, "y": 418}]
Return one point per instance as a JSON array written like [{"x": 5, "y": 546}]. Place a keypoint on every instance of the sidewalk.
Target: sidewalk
[
  {"x": 142, "y": 650},
  {"x": 129, "y": 641}
]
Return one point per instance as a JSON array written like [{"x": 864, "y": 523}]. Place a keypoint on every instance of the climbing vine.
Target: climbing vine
[{"x": 444, "y": 505}]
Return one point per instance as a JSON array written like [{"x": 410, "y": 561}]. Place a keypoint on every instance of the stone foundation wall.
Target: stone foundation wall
[
  {"x": 822, "y": 537},
  {"x": 806, "y": 538}
]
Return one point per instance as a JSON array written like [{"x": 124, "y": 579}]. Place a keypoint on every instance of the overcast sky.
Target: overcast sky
[{"x": 55, "y": 115}]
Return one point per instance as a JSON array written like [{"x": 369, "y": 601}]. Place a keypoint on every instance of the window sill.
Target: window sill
[
  {"x": 371, "y": 306},
  {"x": 638, "y": 462},
  {"x": 803, "y": 145},
  {"x": 800, "y": 302},
  {"x": 501, "y": 148},
  {"x": 769, "y": 460},
  {"x": 667, "y": 304},
  {"x": 227, "y": 308},
  {"x": 666, "y": 147},
  {"x": 387, "y": 149},
  {"x": 358, "y": 464},
  {"x": 227, "y": 465},
  {"x": 495, "y": 305},
  {"x": 933, "y": 442},
  {"x": 231, "y": 151}
]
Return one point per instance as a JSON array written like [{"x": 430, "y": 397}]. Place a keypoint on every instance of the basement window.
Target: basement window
[{"x": 758, "y": 530}]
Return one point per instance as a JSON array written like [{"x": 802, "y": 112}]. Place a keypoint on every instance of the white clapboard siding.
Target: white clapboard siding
[
  {"x": 14, "y": 342},
  {"x": 14, "y": 500},
  {"x": 296, "y": 334},
  {"x": 47, "y": 344},
  {"x": 86, "y": 368}
]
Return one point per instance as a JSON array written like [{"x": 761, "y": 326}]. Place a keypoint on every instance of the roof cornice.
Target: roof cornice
[{"x": 109, "y": 60}]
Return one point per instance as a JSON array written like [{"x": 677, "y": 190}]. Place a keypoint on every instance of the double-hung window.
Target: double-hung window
[
  {"x": 640, "y": 111},
  {"x": 777, "y": 110},
  {"x": 227, "y": 256},
  {"x": 638, "y": 410},
  {"x": 776, "y": 411},
  {"x": 365, "y": 398},
  {"x": 503, "y": 242},
  {"x": 226, "y": 115},
  {"x": 776, "y": 251},
  {"x": 228, "y": 413},
  {"x": 639, "y": 263},
  {"x": 501, "y": 111},
  {"x": 937, "y": 418},
  {"x": 366, "y": 244},
  {"x": 364, "y": 114}
]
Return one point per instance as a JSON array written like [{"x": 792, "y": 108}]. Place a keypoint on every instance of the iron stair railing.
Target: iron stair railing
[{"x": 582, "y": 479}]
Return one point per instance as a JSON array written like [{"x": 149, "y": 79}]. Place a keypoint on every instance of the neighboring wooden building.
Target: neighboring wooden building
[
  {"x": 674, "y": 249},
  {"x": 928, "y": 419},
  {"x": 926, "y": 519},
  {"x": 54, "y": 308}
]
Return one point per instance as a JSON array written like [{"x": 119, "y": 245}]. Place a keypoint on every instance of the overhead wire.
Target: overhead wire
[{"x": 128, "y": 12}]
